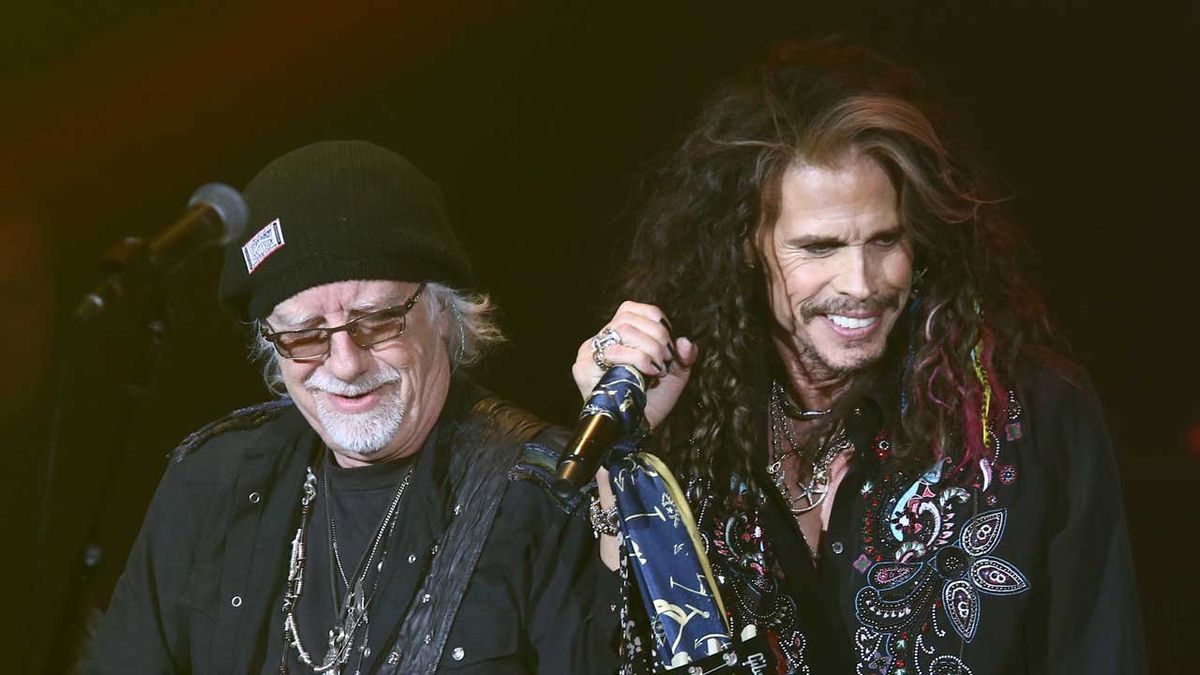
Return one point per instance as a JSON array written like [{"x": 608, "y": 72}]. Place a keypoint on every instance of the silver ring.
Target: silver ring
[
  {"x": 602, "y": 341},
  {"x": 606, "y": 337},
  {"x": 600, "y": 360}
]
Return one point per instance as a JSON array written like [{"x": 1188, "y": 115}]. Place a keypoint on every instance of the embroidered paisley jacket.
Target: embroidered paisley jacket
[{"x": 1025, "y": 568}]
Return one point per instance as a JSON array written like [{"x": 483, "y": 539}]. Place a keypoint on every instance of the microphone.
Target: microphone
[
  {"x": 216, "y": 212},
  {"x": 613, "y": 412}
]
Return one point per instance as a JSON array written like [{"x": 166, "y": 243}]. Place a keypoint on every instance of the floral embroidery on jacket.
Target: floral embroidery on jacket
[{"x": 927, "y": 555}]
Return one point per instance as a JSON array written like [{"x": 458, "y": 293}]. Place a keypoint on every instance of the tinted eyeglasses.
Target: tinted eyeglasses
[{"x": 366, "y": 331}]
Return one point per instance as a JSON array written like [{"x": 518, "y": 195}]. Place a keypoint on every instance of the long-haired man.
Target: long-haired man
[{"x": 892, "y": 469}]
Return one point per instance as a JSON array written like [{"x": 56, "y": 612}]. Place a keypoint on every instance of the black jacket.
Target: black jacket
[
  {"x": 1031, "y": 556},
  {"x": 203, "y": 585}
]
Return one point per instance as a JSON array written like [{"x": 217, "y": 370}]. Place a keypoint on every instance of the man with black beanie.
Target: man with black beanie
[{"x": 385, "y": 516}]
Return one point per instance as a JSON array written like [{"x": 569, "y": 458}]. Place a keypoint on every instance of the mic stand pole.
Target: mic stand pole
[
  {"x": 127, "y": 302},
  {"x": 127, "y": 257}
]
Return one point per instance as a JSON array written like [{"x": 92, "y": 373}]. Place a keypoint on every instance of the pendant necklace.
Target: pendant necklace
[
  {"x": 352, "y": 610},
  {"x": 812, "y": 492}
]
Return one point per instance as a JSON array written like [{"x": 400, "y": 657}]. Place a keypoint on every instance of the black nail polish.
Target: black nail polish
[
  {"x": 671, "y": 348},
  {"x": 666, "y": 323}
]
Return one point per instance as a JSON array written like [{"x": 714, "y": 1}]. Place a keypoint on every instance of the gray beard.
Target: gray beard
[{"x": 363, "y": 434}]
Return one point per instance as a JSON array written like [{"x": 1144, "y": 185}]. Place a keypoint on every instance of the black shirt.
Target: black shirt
[{"x": 350, "y": 508}]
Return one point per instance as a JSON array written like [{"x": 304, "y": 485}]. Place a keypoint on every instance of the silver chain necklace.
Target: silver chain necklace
[
  {"x": 363, "y": 566},
  {"x": 816, "y": 488},
  {"x": 791, "y": 409},
  {"x": 352, "y": 611}
]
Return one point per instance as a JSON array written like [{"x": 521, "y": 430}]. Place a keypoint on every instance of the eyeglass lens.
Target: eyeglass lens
[{"x": 367, "y": 330}]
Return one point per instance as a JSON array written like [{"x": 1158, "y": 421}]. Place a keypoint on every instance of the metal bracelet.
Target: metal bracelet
[{"x": 604, "y": 521}]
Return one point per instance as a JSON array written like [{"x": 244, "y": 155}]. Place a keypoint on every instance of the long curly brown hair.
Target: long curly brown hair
[{"x": 820, "y": 103}]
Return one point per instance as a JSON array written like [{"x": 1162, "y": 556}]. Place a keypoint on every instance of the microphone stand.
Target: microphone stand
[
  {"x": 126, "y": 266},
  {"x": 121, "y": 327}
]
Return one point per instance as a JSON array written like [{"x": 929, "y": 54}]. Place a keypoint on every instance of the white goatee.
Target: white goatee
[{"x": 364, "y": 433}]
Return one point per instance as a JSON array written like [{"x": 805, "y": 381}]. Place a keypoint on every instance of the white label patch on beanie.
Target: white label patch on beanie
[{"x": 262, "y": 244}]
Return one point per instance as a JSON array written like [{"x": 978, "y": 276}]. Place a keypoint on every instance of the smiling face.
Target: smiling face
[
  {"x": 839, "y": 268},
  {"x": 368, "y": 404}
]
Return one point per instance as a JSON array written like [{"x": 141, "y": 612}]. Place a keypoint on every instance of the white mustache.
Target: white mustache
[{"x": 322, "y": 381}]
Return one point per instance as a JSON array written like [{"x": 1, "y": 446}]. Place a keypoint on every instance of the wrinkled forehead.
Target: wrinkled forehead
[
  {"x": 855, "y": 188},
  {"x": 340, "y": 299}
]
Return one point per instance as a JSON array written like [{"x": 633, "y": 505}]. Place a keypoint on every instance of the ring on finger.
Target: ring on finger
[
  {"x": 600, "y": 359},
  {"x": 602, "y": 341},
  {"x": 606, "y": 337}
]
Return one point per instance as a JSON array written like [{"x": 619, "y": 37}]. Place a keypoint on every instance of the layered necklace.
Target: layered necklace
[
  {"x": 352, "y": 607},
  {"x": 811, "y": 492}
]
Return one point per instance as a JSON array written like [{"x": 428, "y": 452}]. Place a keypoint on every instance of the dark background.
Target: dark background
[{"x": 536, "y": 118}]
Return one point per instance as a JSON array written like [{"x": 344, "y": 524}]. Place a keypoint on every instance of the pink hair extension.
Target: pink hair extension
[
  {"x": 929, "y": 388},
  {"x": 973, "y": 422}
]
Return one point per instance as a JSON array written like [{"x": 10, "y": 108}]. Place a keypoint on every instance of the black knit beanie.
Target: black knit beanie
[{"x": 338, "y": 211}]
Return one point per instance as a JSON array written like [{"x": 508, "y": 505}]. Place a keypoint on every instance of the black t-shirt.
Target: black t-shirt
[{"x": 351, "y": 504}]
